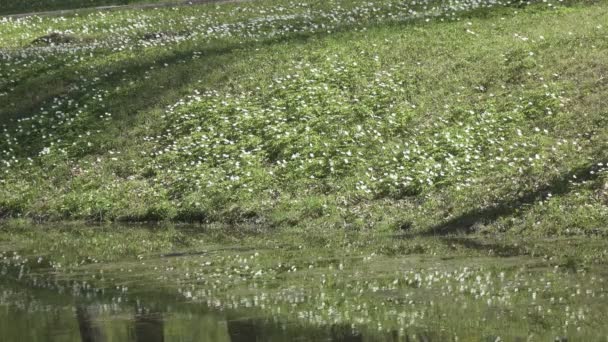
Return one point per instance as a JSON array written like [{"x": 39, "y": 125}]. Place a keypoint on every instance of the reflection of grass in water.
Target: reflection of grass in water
[
  {"x": 351, "y": 279},
  {"x": 44, "y": 311}
]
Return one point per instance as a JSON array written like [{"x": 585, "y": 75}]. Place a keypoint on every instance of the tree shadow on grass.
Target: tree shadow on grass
[
  {"x": 42, "y": 88},
  {"x": 174, "y": 72},
  {"x": 559, "y": 185},
  {"x": 169, "y": 74},
  {"x": 492, "y": 248}
]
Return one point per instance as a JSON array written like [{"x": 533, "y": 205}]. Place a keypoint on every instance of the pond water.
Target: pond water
[
  {"x": 135, "y": 284},
  {"x": 44, "y": 314}
]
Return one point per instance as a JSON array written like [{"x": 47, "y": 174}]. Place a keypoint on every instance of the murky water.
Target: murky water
[
  {"x": 43, "y": 314},
  {"x": 102, "y": 285}
]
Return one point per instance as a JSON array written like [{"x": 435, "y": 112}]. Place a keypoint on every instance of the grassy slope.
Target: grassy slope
[
  {"x": 492, "y": 122},
  {"x": 26, "y": 6}
]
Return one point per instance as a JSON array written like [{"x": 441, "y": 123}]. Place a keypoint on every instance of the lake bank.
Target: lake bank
[{"x": 342, "y": 114}]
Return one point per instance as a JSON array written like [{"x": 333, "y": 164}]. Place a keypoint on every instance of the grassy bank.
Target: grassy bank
[
  {"x": 8, "y": 7},
  {"x": 427, "y": 118}
]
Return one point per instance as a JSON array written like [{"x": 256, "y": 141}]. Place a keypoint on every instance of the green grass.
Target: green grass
[{"x": 357, "y": 116}]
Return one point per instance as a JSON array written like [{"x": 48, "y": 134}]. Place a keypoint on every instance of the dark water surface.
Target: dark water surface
[
  {"x": 43, "y": 314},
  {"x": 136, "y": 284}
]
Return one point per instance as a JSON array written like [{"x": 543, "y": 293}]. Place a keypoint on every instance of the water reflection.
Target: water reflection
[
  {"x": 242, "y": 330},
  {"x": 43, "y": 314},
  {"x": 149, "y": 327},
  {"x": 250, "y": 297},
  {"x": 90, "y": 331}
]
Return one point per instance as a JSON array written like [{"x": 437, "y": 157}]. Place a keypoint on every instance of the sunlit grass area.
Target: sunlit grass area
[{"x": 433, "y": 117}]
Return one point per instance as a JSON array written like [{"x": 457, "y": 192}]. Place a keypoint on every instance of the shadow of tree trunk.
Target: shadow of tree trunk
[
  {"x": 496, "y": 248},
  {"x": 344, "y": 333},
  {"x": 559, "y": 185},
  {"x": 243, "y": 330},
  {"x": 149, "y": 327},
  {"x": 89, "y": 330}
]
